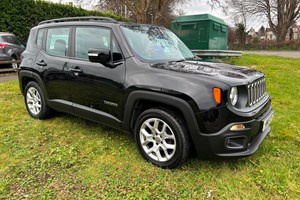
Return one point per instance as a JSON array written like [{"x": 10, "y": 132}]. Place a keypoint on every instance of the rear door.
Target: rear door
[
  {"x": 97, "y": 90},
  {"x": 52, "y": 62}
]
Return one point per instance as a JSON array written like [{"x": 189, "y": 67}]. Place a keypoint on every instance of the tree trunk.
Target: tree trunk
[
  {"x": 158, "y": 18},
  {"x": 161, "y": 7},
  {"x": 281, "y": 37},
  {"x": 286, "y": 12},
  {"x": 141, "y": 18},
  {"x": 291, "y": 34}
]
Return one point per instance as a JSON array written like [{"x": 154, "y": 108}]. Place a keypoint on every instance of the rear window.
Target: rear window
[
  {"x": 6, "y": 38},
  {"x": 11, "y": 39},
  {"x": 15, "y": 40},
  {"x": 1, "y": 40}
]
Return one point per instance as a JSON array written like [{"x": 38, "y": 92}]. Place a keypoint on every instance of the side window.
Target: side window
[
  {"x": 89, "y": 38},
  {"x": 57, "y": 41},
  {"x": 40, "y": 37}
]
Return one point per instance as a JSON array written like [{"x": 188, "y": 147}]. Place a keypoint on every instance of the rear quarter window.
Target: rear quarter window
[
  {"x": 40, "y": 37},
  {"x": 6, "y": 38}
]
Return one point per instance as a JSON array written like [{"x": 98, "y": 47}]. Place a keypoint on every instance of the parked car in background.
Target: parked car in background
[{"x": 11, "y": 48}]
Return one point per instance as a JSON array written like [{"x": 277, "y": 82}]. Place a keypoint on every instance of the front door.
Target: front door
[{"x": 96, "y": 89}]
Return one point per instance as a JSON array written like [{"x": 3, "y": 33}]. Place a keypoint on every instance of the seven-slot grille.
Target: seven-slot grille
[{"x": 256, "y": 91}]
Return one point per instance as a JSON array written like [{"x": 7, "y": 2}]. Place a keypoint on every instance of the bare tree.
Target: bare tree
[
  {"x": 138, "y": 8},
  {"x": 232, "y": 38},
  {"x": 115, "y": 6},
  {"x": 160, "y": 6},
  {"x": 281, "y": 14},
  {"x": 144, "y": 11},
  {"x": 241, "y": 34}
]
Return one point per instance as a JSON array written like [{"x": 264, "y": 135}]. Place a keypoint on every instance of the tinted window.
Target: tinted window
[
  {"x": 1, "y": 40},
  {"x": 89, "y": 38},
  {"x": 7, "y": 39},
  {"x": 57, "y": 41},
  {"x": 15, "y": 40},
  {"x": 39, "y": 39}
]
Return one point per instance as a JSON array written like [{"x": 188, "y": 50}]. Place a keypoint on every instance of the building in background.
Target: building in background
[{"x": 296, "y": 32}]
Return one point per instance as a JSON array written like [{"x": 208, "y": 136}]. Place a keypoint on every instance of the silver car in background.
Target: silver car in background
[{"x": 11, "y": 48}]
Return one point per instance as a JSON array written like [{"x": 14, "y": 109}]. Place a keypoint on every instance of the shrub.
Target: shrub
[
  {"x": 19, "y": 16},
  {"x": 270, "y": 45}
]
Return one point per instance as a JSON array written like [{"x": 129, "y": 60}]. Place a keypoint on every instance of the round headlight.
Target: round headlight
[{"x": 233, "y": 95}]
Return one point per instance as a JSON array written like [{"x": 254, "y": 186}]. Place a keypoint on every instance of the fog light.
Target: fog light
[{"x": 237, "y": 127}]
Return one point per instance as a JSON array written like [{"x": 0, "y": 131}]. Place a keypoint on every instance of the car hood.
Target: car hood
[{"x": 226, "y": 73}]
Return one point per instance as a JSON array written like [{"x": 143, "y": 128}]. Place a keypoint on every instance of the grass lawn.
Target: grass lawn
[{"x": 69, "y": 158}]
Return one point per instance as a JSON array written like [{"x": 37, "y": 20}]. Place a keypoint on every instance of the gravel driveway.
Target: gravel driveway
[
  {"x": 8, "y": 77},
  {"x": 288, "y": 54}
]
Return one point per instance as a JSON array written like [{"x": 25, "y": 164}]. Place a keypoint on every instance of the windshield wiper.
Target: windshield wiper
[
  {"x": 195, "y": 58},
  {"x": 180, "y": 60}
]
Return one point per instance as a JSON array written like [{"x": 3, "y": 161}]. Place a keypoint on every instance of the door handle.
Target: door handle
[
  {"x": 76, "y": 69},
  {"x": 42, "y": 63}
]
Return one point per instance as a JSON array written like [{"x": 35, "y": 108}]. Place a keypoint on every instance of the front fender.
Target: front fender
[{"x": 182, "y": 105}]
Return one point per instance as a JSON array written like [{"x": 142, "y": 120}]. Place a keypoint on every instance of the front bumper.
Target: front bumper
[{"x": 228, "y": 143}]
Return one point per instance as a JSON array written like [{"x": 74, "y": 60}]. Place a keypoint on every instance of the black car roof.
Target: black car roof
[
  {"x": 80, "y": 19},
  {"x": 107, "y": 21}
]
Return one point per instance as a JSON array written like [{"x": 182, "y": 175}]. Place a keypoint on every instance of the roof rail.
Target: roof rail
[{"x": 69, "y": 19}]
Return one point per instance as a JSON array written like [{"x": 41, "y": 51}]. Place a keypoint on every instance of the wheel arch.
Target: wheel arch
[
  {"x": 14, "y": 55},
  {"x": 27, "y": 76},
  {"x": 153, "y": 99}
]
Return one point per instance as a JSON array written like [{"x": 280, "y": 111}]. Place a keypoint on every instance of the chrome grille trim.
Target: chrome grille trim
[{"x": 256, "y": 91}]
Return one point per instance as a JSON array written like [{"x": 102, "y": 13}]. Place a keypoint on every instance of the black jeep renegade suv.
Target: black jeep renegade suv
[{"x": 143, "y": 79}]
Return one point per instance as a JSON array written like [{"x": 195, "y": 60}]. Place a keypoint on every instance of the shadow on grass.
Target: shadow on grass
[{"x": 193, "y": 163}]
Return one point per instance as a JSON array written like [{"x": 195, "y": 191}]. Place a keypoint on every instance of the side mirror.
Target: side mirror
[{"x": 102, "y": 56}]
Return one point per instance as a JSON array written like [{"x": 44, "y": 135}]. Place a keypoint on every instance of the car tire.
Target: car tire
[
  {"x": 162, "y": 138},
  {"x": 35, "y": 101},
  {"x": 14, "y": 63}
]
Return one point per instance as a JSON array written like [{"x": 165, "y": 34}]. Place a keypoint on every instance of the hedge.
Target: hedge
[
  {"x": 270, "y": 45},
  {"x": 19, "y": 16}
]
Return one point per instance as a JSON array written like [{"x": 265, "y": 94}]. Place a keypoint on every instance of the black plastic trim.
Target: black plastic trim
[{"x": 178, "y": 103}]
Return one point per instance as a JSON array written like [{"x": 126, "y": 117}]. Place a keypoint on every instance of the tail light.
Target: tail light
[{"x": 3, "y": 45}]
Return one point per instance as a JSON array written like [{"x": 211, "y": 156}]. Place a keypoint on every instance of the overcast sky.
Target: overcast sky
[
  {"x": 191, "y": 8},
  {"x": 200, "y": 7}
]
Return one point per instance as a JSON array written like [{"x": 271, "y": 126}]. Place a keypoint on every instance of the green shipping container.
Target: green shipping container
[{"x": 201, "y": 32}]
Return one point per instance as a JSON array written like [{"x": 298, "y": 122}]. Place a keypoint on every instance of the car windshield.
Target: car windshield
[{"x": 155, "y": 44}]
